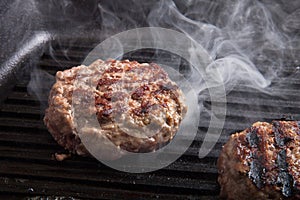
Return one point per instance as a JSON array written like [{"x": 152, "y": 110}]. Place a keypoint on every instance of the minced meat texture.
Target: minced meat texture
[
  {"x": 262, "y": 162},
  {"x": 139, "y": 109}
]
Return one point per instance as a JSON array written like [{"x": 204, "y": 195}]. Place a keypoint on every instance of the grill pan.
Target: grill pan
[{"x": 28, "y": 169}]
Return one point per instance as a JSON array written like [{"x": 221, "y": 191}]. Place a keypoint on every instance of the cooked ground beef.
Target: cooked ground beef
[
  {"x": 139, "y": 109},
  {"x": 262, "y": 162}
]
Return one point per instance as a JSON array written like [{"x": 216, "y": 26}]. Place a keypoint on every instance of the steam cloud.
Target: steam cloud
[{"x": 249, "y": 41}]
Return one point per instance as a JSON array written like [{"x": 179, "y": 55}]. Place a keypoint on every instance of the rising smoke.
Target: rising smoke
[
  {"x": 247, "y": 40},
  {"x": 250, "y": 42}
]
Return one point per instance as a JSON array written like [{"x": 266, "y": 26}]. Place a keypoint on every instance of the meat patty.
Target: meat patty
[
  {"x": 139, "y": 109},
  {"x": 262, "y": 162}
]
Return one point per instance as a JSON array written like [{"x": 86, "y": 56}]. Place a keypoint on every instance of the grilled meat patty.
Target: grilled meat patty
[
  {"x": 138, "y": 107},
  {"x": 262, "y": 162}
]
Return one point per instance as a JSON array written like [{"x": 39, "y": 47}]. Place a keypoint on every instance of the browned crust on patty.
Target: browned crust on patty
[
  {"x": 261, "y": 162},
  {"x": 138, "y": 107}
]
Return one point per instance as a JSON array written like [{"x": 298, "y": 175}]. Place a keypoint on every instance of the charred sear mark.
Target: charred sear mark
[
  {"x": 106, "y": 81},
  {"x": 257, "y": 169},
  {"x": 285, "y": 180},
  {"x": 114, "y": 70},
  {"x": 170, "y": 91},
  {"x": 252, "y": 137},
  {"x": 280, "y": 137},
  {"x": 144, "y": 109},
  {"x": 139, "y": 92}
]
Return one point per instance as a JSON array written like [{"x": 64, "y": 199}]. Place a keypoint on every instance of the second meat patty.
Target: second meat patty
[{"x": 262, "y": 162}]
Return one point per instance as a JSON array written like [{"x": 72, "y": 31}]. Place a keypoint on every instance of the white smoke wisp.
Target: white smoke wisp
[
  {"x": 234, "y": 69},
  {"x": 247, "y": 42},
  {"x": 241, "y": 37},
  {"x": 39, "y": 86}
]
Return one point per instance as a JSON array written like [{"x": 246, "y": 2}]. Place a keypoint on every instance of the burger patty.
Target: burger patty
[
  {"x": 138, "y": 108},
  {"x": 262, "y": 162}
]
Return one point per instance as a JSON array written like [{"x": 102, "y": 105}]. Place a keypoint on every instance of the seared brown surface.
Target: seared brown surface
[
  {"x": 138, "y": 107},
  {"x": 261, "y": 162}
]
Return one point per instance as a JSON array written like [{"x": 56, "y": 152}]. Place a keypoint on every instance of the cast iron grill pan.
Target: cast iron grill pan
[{"x": 28, "y": 169}]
